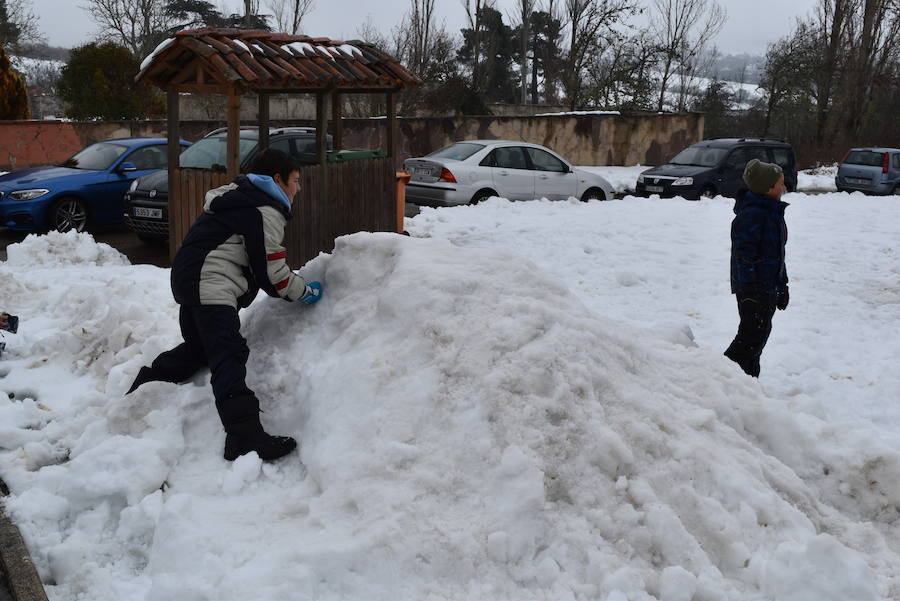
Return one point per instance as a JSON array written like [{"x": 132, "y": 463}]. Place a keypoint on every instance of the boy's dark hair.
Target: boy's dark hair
[{"x": 271, "y": 161}]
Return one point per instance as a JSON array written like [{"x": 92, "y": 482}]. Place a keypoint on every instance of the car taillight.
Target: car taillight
[
  {"x": 447, "y": 176},
  {"x": 885, "y": 164}
]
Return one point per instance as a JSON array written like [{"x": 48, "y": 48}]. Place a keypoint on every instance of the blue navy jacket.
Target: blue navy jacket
[
  {"x": 234, "y": 248},
  {"x": 758, "y": 236}
]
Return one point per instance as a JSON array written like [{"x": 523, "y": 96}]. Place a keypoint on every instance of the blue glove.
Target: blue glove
[{"x": 312, "y": 295}]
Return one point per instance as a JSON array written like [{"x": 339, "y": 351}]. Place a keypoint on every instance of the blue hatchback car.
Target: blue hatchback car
[{"x": 86, "y": 189}]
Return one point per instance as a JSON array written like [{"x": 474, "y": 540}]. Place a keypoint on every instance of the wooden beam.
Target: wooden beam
[
  {"x": 173, "y": 161},
  {"x": 337, "y": 130},
  {"x": 263, "y": 119},
  {"x": 322, "y": 99},
  {"x": 194, "y": 88},
  {"x": 233, "y": 147},
  {"x": 391, "y": 150}
]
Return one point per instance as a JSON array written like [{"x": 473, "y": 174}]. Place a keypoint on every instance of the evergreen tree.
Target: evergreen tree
[
  {"x": 9, "y": 31},
  {"x": 493, "y": 76},
  {"x": 13, "y": 93},
  {"x": 98, "y": 83}
]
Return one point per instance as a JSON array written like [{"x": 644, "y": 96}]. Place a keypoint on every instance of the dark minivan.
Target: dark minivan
[{"x": 715, "y": 167}]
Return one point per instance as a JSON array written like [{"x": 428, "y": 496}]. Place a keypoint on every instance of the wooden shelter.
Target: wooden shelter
[{"x": 335, "y": 198}]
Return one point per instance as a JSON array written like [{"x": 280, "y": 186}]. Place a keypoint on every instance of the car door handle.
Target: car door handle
[
  {"x": 543, "y": 176},
  {"x": 504, "y": 173}
]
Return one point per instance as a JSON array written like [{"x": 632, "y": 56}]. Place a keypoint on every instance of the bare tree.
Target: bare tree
[
  {"x": 139, "y": 25},
  {"x": 683, "y": 28},
  {"x": 590, "y": 27},
  {"x": 18, "y": 24},
  {"x": 289, "y": 14}
]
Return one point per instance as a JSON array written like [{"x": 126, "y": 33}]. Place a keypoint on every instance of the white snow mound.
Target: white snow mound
[
  {"x": 55, "y": 249},
  {"x": 468, "y": 430}
]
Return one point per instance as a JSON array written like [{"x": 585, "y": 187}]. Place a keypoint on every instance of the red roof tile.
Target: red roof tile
[{"x": 260, "y": 60}]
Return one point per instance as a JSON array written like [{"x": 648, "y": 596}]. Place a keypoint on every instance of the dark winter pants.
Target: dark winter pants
[
  {"x": 756, "y": 311},
  {"x": 212, "y": 338}
]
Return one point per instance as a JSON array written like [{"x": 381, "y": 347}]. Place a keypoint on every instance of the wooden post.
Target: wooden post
[
  {"x": 173, "y": 163},
  {"x": 263, "y": 120},
  {"x": 233, "y": 147},
  {"x": 322, "y": 99},
  {"x": 337, "y": 130},
  {"x": 391, "y": 150}
]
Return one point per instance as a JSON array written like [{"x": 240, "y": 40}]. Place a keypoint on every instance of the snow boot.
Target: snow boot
[
  {"x": 146, "y": 374},
  {"x": 244, "y": 434}
]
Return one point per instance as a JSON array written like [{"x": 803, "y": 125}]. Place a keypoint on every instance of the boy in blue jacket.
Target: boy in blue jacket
[
  {"x": 231, "y": 251},
  {"x": 758, "y": 276}
]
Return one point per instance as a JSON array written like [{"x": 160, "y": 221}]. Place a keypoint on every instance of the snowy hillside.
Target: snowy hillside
[{"x": 521, "y": 401}]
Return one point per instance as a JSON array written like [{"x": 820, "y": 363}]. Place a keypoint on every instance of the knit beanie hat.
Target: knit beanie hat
[{"x": 760, "y": 177}]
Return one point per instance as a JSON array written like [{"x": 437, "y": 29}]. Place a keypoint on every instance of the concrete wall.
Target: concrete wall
[{"x": 646, "y": 139}]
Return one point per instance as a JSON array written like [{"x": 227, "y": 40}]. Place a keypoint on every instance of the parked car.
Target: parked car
[
  {"x": 714, "y": 167},
  {"x": 870, "y": 170},
  {"x": 146, "y": 209},
  {"x": 471, "y": 171},
  {"x": 86, "y": 189}
]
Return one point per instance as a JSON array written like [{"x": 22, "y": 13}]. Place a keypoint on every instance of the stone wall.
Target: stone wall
[{"x": 591, "y": 139}]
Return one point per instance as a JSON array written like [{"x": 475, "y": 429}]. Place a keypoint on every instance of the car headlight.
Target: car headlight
[
  {"x": 133, "y": 186},
  {"x": 684, "y": 181},
  {"x": 640, "y": 179},
  {"x": 28, "y": 194}
]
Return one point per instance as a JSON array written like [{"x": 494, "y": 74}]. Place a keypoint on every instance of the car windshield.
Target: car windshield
[
  {"x": 865, "y": 157},
  {"x": 458, "y": 152},
  {"x": 210, "y": 153},
  {"x": 96, "y": 157},
  {"x": 701, "y": 156}
]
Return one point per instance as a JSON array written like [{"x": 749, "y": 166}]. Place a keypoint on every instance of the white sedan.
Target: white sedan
[{"x": 469, "y": 172}]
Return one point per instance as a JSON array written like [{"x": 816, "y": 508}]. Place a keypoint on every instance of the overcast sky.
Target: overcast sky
[{"x": 751, "y": 25}]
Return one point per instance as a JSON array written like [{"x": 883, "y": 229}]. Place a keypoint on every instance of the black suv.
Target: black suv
[
  {"x": 716, "y": 167},
  {"x": 147, "y": 200}
]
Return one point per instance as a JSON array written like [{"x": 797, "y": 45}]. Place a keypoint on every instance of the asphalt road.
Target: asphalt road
[{"x": 120, "y": 238}]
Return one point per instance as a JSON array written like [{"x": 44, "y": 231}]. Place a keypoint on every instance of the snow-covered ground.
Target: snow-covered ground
[
  {"x": 623, "y": 179},
  {"x": 521, "y": 401}
]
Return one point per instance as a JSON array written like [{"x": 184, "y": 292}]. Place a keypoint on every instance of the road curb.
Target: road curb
[{"x": 15, "y": 561}]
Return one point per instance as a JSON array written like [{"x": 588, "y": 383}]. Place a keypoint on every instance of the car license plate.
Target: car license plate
[
  {"x": 858, "y": 180},
  {"x": 654, "y": 188},
  {"x": 421, "y": 171},
  {"x": 152, "y": 213}
]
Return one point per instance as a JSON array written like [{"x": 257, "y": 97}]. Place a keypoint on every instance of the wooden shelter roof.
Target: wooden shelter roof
[{"x": 210, "y": 60}]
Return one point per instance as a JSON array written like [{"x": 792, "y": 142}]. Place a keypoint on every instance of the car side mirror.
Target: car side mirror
[{"x": 127, "y": 166}]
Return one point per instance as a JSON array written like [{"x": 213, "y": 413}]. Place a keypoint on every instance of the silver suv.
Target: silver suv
[{"x": 870, "y": 170}]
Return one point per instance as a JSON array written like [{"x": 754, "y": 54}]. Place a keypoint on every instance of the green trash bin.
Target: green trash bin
[
  {"x": 357, "y": 155},
  {"x": 340, "y": 156}
]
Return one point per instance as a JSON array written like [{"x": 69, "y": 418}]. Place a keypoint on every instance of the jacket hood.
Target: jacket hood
[
  {"x": 746, "y": 199},
  {"x": 242, "y": 194}
]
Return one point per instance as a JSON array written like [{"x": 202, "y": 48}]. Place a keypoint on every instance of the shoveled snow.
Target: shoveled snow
[
  {"x": 623, "y": 179},
  {"x": 522, "y": 401}
]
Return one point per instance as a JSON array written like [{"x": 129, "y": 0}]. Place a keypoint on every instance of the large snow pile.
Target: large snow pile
[{"x": 472, "y": 425}]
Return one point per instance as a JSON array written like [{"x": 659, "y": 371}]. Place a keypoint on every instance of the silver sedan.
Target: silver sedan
[{"x": 471, "y": 171}]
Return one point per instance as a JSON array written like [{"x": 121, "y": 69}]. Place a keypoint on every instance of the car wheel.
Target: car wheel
[
  {"x": 481, "y": 196},
  {"x": 708, "y": 192},
  {"x": 67, "y": 213},
  {"x": 593, "y": 194}
]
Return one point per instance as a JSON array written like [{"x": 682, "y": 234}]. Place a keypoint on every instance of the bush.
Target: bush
[{"x": 98, "y": 83}]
